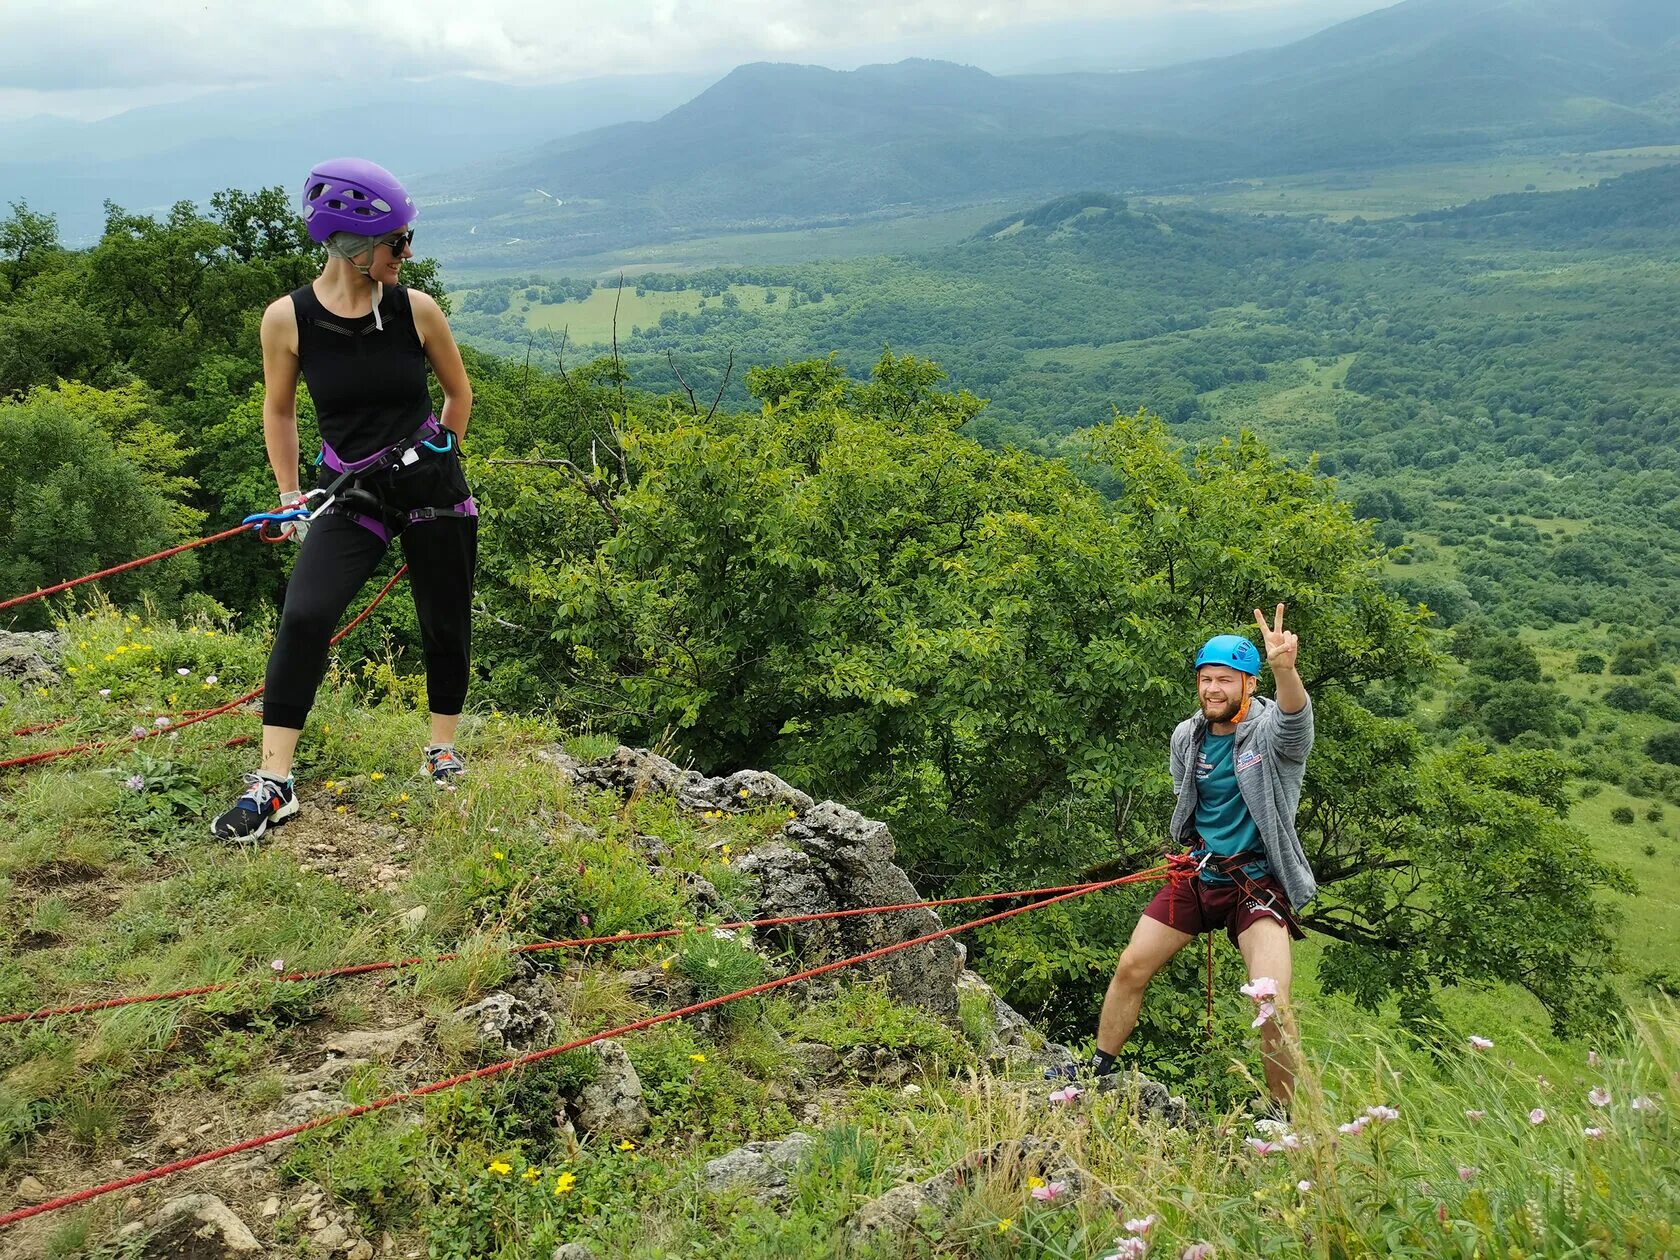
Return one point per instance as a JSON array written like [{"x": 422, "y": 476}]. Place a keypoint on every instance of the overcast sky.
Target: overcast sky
[{"x": 87, "y": 58}]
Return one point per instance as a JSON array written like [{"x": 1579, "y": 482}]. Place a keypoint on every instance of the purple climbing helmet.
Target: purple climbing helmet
[{"x": 355, "y": 195}]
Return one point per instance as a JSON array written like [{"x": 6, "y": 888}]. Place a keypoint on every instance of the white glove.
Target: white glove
[{"x": 290, "y": 499}]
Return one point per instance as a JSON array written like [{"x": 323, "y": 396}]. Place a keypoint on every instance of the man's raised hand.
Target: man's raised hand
[{"x": 1282, "y": 646}]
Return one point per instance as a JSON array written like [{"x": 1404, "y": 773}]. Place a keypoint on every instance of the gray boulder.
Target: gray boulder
[
  {"x": 1010, "y": 1162},
  {"x": 572, "y": 1251},
  {"x": 836, "y": 859},
  {"x": 611, "y": 1105},
  {"x": 760, "y": 1169},
  {"x": 509, "y": 1024},
  {"x": 1008, "y": 1035},
  {"x": 29, "y": 655}
]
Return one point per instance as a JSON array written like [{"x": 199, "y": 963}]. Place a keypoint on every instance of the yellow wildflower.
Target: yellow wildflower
[
  {"x": 1036, "y": 1183},
  {"x": 403, "y": 799},
  {"x": 332, "y": 783},
  {"x": 626, "y": 1145},
  {"x": 339, "y": 810},
  {"x": 532, "y": 1174},
  {"x": 109, "y": 657},
  {"x": 393, "y": 815},
  {"x": 132, "y": 617},
  {"x": 70, "y": 669},
  {"x": 1006, "y": 1224},
  {"x": 497, "y": 854},
  {"x": 726, "y": 850},
  {"x": 697, "y": 1058},
  {"x": 500, "y": 1167},
  {"x": 742, "y": 793},
  {"x": 377, "y": 775},
  {"x": 666, "y": 965},
  {"x": 565, "y": 1183}
]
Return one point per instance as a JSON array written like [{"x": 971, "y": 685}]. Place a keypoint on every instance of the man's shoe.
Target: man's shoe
[
  {"x": 265, "y": 803},
  {"x": 444, "y": 765}
]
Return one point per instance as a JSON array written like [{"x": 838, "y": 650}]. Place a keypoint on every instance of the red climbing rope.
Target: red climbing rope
[
  {"x": 201, "y": 715},
  {"x": 362, "y": 969},
  {"x": 391, "y": 1100},
  {"x": 121, "y": 568}
]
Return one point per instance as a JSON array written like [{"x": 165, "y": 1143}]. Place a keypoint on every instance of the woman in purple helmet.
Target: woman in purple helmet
[{"x": 363, "y": 344}]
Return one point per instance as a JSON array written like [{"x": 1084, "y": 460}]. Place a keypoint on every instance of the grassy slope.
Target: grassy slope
[{"x": 109, "y": 890}]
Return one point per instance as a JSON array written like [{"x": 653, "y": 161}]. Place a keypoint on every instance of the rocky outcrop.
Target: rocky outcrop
[
  {"x": 1008, "y": 1037},
  {"x": 828, "y": 858},
  {"x": 638, "y": 772},
  {"x": 508, "y": 1025}
]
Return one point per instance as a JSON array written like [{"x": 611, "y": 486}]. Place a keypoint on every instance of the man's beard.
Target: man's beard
[{"x": 1226, "y": 710}]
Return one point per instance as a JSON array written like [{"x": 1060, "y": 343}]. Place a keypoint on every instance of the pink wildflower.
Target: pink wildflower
[
  {"x": 1128, "y": 1249},
  {"x": 279, "y": 964},
  {"x": 1467, "y": 1172},
  {"x": 1592, "y": 1058},
  {"x": 1354, "y": 1127},
  {"x": 1263, "y": 1015},
  {"x": 583, "y": 919},
  {"x": 1599, "y": 1097},
  {"x": 1198, "y": 1251},
  {"x": 1261, "y": 1146},
  {"x": 1643, "y": 1103},
  {"x": 1065, "y": 1095},
  {"x": 1480, "y": 1043},
  {"x": 105, "y": 691},
  {"x": 1141, "y": 1225},
  {"x": 1051, "y": 1192},
  {"x": 1473, "y": 1115},
  {"x": 160, "y": 723},
  {"x": 1537, "y": 1116},
  {"x": 1305, "y": 1187},
  {"x": 1261, "y": 989},
  {"x": 183, "y": 671},
  {"x": 1380, "y": 1112},
  {"x": 1592, "y": 1133}
]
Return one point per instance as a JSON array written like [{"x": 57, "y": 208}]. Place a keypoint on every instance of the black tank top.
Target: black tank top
[{"x": 369, "y": 386}]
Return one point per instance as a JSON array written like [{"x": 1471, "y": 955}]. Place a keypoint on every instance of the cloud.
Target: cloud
[{"x": 50, "y": 46}]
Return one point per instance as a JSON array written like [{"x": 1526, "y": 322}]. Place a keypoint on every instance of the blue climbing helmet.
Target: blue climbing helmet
[{"x": 1232, "y": 650}]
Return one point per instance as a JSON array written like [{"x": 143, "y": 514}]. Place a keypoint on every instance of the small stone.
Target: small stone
[
  {"x": 572, "y": 1251},
  {"x": 413, "y": 918},
  {"x": 30, "y": 1190},
  {"x": 133, "y": 1204},
  {"x": 363, "y": 1250},
  {"x": 270, "y": 1206},
  {"x": 332, "y": 1237}
]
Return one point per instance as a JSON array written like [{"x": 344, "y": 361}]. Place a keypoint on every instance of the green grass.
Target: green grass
[
  {"x": 1403, "y": 190},
  {"x": 590, "y": 322},
  {"x": 906, "y": 234},
  {"x": 152, "y": 902}
]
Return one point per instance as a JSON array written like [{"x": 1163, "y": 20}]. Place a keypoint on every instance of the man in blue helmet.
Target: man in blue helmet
[{"x": 1237, "y": 767}]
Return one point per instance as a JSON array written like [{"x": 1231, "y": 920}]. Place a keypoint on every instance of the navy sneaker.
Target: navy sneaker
[
  {"x": 444, "y": 765},
  {"x": 265, "y": 803}
]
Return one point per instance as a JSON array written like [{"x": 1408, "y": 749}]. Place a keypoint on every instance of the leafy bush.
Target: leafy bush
[{"x": 1622, "y": 815}]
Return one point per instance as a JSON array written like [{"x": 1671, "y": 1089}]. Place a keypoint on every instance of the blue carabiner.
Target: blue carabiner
[{"x": 448, "y": 443}]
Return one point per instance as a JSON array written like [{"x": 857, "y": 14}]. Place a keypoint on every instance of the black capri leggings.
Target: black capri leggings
[{"x": 338, "y": 556}]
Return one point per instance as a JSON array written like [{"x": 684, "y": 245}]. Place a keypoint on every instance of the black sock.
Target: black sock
[{"x": 1102, "y": 1063}]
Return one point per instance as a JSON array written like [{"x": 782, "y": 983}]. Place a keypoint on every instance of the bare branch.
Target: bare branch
[
  {"x": 729, "y": 368},
  {"x": 693, "y": 402},
  {"x": 618, "y": 364}
]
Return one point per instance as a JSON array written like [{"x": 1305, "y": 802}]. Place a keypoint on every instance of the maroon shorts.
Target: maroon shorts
[{"x": 1196, "y": 906}]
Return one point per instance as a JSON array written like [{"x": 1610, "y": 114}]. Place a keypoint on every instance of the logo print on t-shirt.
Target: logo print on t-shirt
[{"x": 1248, "y": 760}]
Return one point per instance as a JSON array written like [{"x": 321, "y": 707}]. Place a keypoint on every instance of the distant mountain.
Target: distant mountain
[
  {"x": 778, "y": 146},
  {"x": 146, "y": 159}
]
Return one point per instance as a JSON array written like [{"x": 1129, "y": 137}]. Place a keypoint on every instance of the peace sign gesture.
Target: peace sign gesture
[{"x": 1281, "y": 645}]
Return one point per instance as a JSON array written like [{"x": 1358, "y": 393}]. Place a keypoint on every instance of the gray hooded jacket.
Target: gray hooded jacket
[{"x": 1270, "y": 756}]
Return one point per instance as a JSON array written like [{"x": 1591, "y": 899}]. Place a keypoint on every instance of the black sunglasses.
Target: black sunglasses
[{"x": 396, "y": 244}]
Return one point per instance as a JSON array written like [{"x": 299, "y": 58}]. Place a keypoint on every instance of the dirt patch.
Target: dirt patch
[{"x": 56, "y": 874}]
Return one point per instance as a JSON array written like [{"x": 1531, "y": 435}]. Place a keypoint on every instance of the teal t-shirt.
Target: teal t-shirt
[{"x": 1222, "y": 819}]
